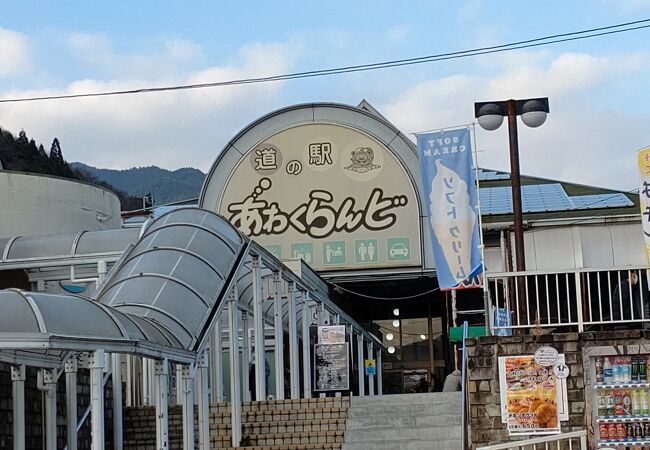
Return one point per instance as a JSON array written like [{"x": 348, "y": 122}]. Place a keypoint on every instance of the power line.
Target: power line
[{"x": 529, "y": 43}]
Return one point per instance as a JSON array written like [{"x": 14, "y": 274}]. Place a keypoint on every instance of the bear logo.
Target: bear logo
[{"x": 362, "y": 160}]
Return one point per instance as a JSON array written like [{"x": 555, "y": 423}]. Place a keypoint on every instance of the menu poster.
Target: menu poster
[
  {"x": 331, "y": 334},
  {"x": 332, "y": 367},
  {"x": 532, "y": 398}
]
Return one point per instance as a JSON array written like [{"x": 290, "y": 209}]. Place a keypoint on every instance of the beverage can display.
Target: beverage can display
[
  {"x": 608, "y": 374},
  {"x": 611, "y": 402},
  {"x": 602, "y": 404},
  {"x": 630, "y": 430},
  {"x": 627, "y": 402},
  {"x": 637, "y": 431},
  {"x": 616, "y": 370},
  {"x": 625, "y": 370},
  {"x": 621, "y": 432},
  {"x": 643, "y": 370},
  {"x": 602, "y": 431},
  {"x": 635, "y": 369},
  {"x": 636, "y": 403},
  {"x": 619, "y": 407},
  {"x": 611, "y": 431},
  {"x": 646, "y": 430}
]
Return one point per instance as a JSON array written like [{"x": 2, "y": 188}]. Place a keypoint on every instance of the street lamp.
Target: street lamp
[{"x": 490, "y": 116}]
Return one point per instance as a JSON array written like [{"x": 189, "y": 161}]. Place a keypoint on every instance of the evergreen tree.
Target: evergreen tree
[{"x": 56, "y": 156}]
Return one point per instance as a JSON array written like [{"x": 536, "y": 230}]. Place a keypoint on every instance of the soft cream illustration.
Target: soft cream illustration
[{"x": 452, "y": 219}]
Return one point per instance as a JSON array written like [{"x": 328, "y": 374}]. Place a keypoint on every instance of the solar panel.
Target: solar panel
[
  {"x": 535, "y": 198},
  {"x": 491, "y": 175},
  {"x": 596, "y": 201}
]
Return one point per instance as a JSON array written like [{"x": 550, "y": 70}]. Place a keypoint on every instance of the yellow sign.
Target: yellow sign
[
  {"x": 643, "y": 159},
  {"x": 331, "y": 195},
  {"x": 530, "y": 392},
  {"x": 371, "y": 366}
]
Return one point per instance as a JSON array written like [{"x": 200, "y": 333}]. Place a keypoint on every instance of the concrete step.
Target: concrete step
[
  {"x": 408, "y": 399},
  {"x": 402, "y": 433},
  {"x": 368, "y": 422},
  {"x": 423, "y": 409},
  {"x": 440, "y": 444}
]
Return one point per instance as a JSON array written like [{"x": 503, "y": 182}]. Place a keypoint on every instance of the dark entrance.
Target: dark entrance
[{"x": 413, "y": 318}]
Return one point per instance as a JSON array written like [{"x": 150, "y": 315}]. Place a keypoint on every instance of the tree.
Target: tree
[{"x": 56, "y": 156}]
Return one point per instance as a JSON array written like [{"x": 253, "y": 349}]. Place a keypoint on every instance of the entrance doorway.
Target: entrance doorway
[{"x": 413, "y": 319}]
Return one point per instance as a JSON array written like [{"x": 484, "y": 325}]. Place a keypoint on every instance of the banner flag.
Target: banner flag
[
  {"x": 450, "y": 188},
  {"x": 643, "y": 158}
]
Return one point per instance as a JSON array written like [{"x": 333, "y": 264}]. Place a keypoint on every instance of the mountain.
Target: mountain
[{"x": 164, "y": 185}]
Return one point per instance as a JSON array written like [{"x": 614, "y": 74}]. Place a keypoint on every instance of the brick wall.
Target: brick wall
[
  {"x": 287, "y": 424},
  {"x": 483, "y": 376},
  {"x": 34, "y": 411}
]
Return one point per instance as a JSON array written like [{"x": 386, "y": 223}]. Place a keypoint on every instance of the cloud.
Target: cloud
[
  {"x": 398, "y": 33},
  {"x": 170, "y": 129},
  {"x": 581, "y": 140},
  {"x": 15, "y": 52},
  {"x": 170, "y": 56}
]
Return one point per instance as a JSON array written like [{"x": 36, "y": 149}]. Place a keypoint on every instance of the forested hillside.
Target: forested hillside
[{"x": 22, "y": 154}]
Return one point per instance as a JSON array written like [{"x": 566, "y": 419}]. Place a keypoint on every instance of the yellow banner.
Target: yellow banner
[
  {"x": 643, "y": 159},
  {"x": 531, "y": 395}
]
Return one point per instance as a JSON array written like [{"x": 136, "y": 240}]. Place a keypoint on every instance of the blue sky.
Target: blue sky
[{"x": 598, "y": 89}]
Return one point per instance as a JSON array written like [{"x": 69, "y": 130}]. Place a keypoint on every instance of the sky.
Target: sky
[{"x": 598, "y": 89}]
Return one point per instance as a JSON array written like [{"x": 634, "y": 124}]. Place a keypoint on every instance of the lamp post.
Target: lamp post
[{"x": 490, "y": 116}]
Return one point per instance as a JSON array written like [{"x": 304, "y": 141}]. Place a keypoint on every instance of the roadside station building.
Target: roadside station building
[{"x": 312, "y": 216}]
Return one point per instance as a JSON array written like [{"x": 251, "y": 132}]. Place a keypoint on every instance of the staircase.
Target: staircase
[{"x": 404, "y": 422}]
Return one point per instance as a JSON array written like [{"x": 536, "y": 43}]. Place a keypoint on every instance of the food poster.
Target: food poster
[{"x": 533, "y": 400}]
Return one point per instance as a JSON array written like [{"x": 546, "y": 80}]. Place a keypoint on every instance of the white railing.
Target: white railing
[
  {"x": 576, "y": 440},
  {"x": 576, "y": 298}
]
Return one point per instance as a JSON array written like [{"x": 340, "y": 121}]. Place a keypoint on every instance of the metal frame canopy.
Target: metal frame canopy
[{"x": 362, "y": 123}]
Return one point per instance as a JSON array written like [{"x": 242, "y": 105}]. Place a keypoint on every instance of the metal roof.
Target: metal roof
[{"x": 189, "y": 254}]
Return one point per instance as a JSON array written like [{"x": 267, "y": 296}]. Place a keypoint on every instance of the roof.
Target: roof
[{"x": 544, "y": 198}]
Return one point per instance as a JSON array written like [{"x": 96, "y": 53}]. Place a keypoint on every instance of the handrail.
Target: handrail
[
  {"x": 463, "y": 389},
  {"x": 582, "y": 435}
]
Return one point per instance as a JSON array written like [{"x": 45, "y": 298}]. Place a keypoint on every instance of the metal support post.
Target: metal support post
[
  {"x": 161, "y": 381},
  {"x": 204, "y": 403},
  {"x": 279, "y": 338},
  {"x": 258, "y": 323},
  {"x": 130, "y": 394},
  {"x": 49, "y": 383},
  {"x": 362, "y": 378},
  {"x": 118, "y": 438},
  {"x": 371, "y": 378},
  {"x": 96, "y": 366},
  {"x": 294, "y": 370},
  {"x": 320, "y": 314},
  {"x": 245, "y": 355},
  {"x": 235, "y": 375},
  {"x": 306, "y": 347},
  {"x": 18, "y": 387},
  {"x": 71, "y": 368},
  {"x": 187, "y": 395},
  {"x": 380, "y": 388},
  {"x": 216, "y": 364}
]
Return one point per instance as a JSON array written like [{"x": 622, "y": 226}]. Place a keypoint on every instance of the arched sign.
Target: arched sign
[{"x": 329, "y": 193}]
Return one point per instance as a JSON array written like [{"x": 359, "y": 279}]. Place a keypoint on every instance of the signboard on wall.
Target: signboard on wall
[
  {"x": 331, "y": 195},
  {"x": 533, "y": 399},
  {"x": 331, "y": 367},
  {"x": 643, "y": 159},
  {"x": 331, "y": 334}
]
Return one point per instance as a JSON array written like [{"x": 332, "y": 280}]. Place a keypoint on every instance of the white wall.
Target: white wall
[
  {"x": 35, "y": 204},
  {"x": 601, "y": 246}
]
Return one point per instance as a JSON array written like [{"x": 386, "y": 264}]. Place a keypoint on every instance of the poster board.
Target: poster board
[
  {"x": 331, "y": 334},
  {"x": 533, "y": 399},
  {"x": 331, "y": 367}
]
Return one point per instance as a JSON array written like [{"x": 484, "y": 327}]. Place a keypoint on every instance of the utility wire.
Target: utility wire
[{"x": 529, "y": 43}]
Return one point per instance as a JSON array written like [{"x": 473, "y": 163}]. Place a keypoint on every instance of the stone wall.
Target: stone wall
[{"x": 483, "y": 377}]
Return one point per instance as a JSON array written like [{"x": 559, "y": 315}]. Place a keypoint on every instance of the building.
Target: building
[{"x": 330, "y": 196}]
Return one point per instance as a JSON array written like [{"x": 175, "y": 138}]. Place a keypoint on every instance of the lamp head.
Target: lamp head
[
  {"x": 490, "y": 116},
  {"x": 533, "y": 113}
]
